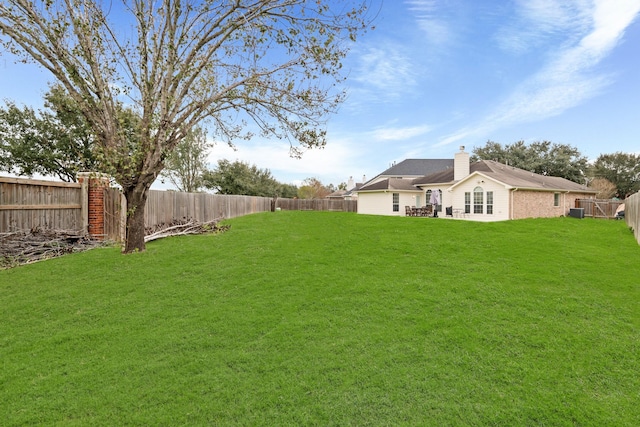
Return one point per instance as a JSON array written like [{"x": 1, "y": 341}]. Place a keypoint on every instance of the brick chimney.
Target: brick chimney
[{"x": 460, "y": 164}]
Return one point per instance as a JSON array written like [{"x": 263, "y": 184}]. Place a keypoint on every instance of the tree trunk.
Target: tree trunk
[{"x": 136, "y": 201}]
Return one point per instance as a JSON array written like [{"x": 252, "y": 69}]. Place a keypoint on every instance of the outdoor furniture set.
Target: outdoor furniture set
[{"x": 416, "y": 211}]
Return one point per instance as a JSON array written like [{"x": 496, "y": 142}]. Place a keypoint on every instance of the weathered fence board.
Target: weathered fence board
[
  {"x": 26, "y": 204},
  {"x": 317, "y": 205},
  {"x": 167, "y": 206},
  {"x": 599, "y": 208},
  {"x": 632, "y": 214},
  {"x": 114, "y": 214}
]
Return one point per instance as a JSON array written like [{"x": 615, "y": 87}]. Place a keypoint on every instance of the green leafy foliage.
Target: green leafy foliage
[
  {"x": 185, "y": 165},
  {"x": 241, "y": 178},
  {"x": 541, "y": 157},
  {"x": 55, "y": 141},
  {"x": 622, "y": 169}
]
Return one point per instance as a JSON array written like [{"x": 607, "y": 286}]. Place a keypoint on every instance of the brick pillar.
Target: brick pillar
[{"x": 93, "y": 185}]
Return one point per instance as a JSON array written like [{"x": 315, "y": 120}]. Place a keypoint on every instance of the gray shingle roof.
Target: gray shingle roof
[
  {"x": 508, "y": 175},
  {"x": 524, "y": 179},
  {"x": 391, "y": 184},
  {"x": 418, "y": 167}
]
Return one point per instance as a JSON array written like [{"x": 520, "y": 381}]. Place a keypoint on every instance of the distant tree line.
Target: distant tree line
[
  {"x": 616, "y": 174},
  {"x": 58, "y": 141},
  {"x": 245, "y": 179}
]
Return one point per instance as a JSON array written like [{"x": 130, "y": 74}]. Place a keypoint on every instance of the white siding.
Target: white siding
[
  {"x": 500, "y": 198},
  {"x": 446, "y": 197},
  {"x": 381, "y": 203}
]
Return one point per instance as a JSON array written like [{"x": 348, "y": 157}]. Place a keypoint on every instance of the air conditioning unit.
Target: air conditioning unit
[{"x": 576, "y": 212}]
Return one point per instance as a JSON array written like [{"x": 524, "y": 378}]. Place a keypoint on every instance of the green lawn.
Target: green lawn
[{"x": 316, "y": 318}]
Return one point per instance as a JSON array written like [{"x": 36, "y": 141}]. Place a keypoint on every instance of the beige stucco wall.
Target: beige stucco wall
[
  {"x": 381, "y": 203},
  {"x": 539, "y": 204}
]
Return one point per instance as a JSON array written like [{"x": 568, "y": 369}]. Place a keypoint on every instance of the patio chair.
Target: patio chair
[{"x": 408, "y": 211}]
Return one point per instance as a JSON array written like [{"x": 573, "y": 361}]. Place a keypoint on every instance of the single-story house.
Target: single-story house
[{"x": 483, "y": 191}]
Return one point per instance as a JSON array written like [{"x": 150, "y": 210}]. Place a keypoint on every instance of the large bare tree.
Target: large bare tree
[{"x": 145, "y": 72}]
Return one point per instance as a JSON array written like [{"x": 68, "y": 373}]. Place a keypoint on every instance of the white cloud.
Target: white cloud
[
  {"x": 399, "y": 134},
  {"x": 383, "y": 71},
  {"x": 543, "y": 22},
  {"x": 332, "y": 164},
  {"x": 430, "y": 16},
  {"x": 568, "y": 79}
]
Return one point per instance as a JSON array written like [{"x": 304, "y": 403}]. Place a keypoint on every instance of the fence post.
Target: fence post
[
  {"x": 123, "y": 217},
  {"x": 93, "y": 185},
  {"x": 84, "y": 200}
]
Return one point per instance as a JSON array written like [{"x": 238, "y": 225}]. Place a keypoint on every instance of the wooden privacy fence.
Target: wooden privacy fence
[
  {"x": 632, "y": 214},
  {"x": 115, "y": 214},
  {"x": 317, "y": 205},
  {"x": 27, "y": 204},
  {"x": 90, "y": 206},
  {"x": 164, "y": 207},
  {"x": 599, "y": 208}
]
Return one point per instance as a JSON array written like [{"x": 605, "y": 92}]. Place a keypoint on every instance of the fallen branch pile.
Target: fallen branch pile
[
  {"x": 183, "y": 227},
  {"x": 24, "y": 247}
]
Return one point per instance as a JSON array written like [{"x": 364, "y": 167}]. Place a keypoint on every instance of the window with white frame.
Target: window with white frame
[
  {"x": 489, "y": 202},
  {"x": 396, "y": 202},
  {"x": 467, "y": 202},
  {"x": 478, "y": 200},
  {"x": 556, "y": 199}
]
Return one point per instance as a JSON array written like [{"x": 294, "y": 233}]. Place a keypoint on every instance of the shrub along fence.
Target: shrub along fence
[
  {"x": 90, "y": 206},
  {"x": 632, "y": 214}
]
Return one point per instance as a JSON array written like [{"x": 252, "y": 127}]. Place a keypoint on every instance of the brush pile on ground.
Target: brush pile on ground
[{"x": 24, "y": 247}]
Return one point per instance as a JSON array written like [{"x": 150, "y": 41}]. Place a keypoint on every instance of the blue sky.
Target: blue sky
[{"x": 437, "y": 74}]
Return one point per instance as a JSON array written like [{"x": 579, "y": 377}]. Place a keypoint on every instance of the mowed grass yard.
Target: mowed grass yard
[{"x": 317, "y": 318}]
